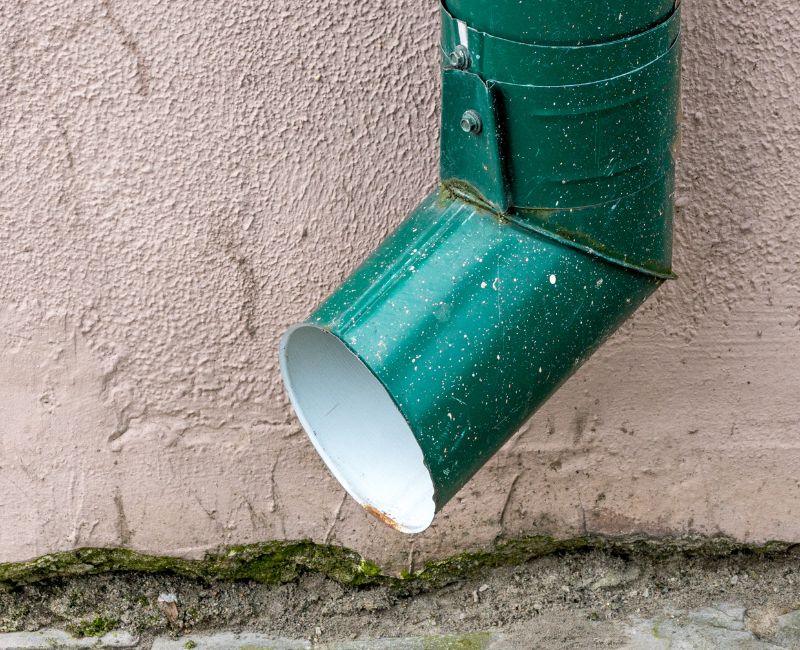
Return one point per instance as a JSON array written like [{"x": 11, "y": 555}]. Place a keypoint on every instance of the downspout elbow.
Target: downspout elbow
[{"x": 551, "y": 225}]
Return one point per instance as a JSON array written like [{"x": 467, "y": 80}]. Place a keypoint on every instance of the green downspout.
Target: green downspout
[{"x": 551, "y": 225}]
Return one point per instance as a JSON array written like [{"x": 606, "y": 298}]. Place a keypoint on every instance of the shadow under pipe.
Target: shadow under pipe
[{"x": 551, "y": 224}]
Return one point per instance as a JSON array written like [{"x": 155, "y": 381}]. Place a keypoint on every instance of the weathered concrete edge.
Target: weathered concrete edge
[{"x": 281, "y": 561}]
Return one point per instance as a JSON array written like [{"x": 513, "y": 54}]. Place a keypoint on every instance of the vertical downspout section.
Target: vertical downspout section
[
  {"x": 551, "y": 225},
  {"x": 586, "y": 134}
]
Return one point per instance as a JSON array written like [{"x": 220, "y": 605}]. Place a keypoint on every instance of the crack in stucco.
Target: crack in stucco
[
  {"x": 123, "y": 528},
  {"x": 329, "y": 533},
  {"x": 142, "y": 77}
]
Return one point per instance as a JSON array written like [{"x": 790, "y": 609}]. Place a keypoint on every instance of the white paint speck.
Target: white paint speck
[
  {"x": 552, "y": 278},
  {"x": 483, "y": 285}
]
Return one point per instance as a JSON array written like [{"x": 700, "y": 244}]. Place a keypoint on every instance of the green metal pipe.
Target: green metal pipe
[
  {"x": 551, "y": 225},
  {"x": 561, "y": 22}
]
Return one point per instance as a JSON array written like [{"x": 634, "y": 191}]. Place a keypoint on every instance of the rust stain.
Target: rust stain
[{"x": 379, "y": 514}]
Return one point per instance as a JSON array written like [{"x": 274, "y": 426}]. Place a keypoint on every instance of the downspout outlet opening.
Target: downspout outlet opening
[{"x": 357, "y": 428}]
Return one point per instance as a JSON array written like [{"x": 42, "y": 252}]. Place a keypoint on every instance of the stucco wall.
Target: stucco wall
[{"x": 179, "y": 181}]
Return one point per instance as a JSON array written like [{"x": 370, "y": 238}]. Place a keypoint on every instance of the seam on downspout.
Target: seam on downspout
[{"x": 471, "y": 196}]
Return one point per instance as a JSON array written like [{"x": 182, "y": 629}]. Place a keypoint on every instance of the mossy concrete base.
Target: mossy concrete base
[
  {"x": 98, "y": 626},
  {"x": 270, "y": 562},
  {"x": 279, "y": 562}
]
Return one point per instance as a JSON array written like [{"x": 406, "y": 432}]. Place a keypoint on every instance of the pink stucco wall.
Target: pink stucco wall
[{"x": 179, "y": 181}]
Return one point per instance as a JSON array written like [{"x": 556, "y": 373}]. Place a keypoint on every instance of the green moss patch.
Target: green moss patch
[
  {"x": 271, "y": 563},
  {"x": 96, "y": 627},
  {"x": 280, "y": 562},
  {"x": 474, "y": 641}
]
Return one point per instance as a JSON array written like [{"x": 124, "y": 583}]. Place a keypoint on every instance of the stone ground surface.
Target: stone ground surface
[{"x": 581, "y": 600}]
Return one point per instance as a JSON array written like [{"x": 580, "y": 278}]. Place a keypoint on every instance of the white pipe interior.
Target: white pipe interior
[{"x": 356, "y": 427}]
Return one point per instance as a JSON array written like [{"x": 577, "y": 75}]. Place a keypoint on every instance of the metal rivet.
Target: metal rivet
[
  {"x": 459, "y": 58},
  {"x": 471, "y": 122}
]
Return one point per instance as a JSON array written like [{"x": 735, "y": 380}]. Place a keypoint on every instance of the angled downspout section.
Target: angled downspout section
[{"x": 551, "y": 225}]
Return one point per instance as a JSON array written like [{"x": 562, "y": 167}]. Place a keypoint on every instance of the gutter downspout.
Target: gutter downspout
[{"x": 551, "y": 225}]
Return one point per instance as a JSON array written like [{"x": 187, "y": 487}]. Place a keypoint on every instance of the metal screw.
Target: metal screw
[
  {"x": 471, "y": 122},
  {"x": 459, "y": 58}
]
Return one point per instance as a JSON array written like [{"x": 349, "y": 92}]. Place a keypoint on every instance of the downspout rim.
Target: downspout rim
[{"x": 359, "y": 476}]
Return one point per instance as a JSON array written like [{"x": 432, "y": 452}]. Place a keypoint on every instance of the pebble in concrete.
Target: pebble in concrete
[{"x": 614, "y": 579}]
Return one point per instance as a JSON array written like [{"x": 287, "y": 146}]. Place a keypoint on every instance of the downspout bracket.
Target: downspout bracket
[{"x": 471, "y": 146}]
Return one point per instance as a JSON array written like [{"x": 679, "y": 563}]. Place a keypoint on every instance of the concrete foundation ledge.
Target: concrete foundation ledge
[
  {"x": 534, "y": 592},
  {"x": 52, "y": 638},
  {"x": 720, "y": 626}
]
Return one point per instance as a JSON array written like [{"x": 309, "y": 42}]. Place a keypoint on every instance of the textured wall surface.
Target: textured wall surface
[{"x": 179, "y": 181}]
